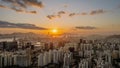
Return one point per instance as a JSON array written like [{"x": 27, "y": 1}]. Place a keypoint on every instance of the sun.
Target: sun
[{"x": 54, "y": 30}]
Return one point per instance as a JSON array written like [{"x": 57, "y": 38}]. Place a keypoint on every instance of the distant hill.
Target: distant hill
[
  {"x": 113, "y": 37},
  {"x": 94, "y": 37},
  {"x": 20, "y": 35}
]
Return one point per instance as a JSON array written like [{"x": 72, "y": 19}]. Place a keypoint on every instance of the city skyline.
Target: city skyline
[{"x": 68, "y": 16}]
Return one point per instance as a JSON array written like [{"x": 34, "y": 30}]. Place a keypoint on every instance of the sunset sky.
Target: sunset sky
[{"x": 68, "y": 16}]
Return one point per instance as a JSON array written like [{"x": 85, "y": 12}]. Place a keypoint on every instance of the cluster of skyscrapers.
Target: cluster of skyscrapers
[{"x": 82, "y": 54}]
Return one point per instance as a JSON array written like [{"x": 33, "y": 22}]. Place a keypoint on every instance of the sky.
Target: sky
[{"x": 69, "y": 16}]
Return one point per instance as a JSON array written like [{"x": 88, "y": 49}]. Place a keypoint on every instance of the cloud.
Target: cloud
[
  {"x": 34, "y": 3},
  {"x": 65, "y": 5},
  {"x": 16, "y": 9},
  {"x": 61, "y": 12},
  {"x": 73, "y": 14},
  {"x": 4, "y": 24},
  {"x": 21, "y": 5},
  {"x": 94, "y": 12},
  {"x": 84, "y": 13},
  {"x": 22, "y": 11},
  {"x": 85, "y": 27},
  {"x": 33, "y": 12},
  {"x": 1, "y": 6},
  {"x": 57, "y": 15},
  {"x": 51, "y": 16}
]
